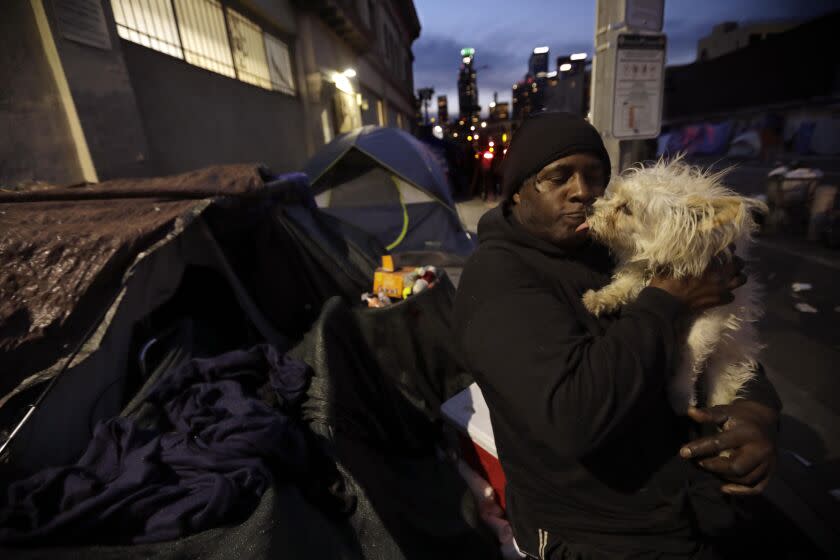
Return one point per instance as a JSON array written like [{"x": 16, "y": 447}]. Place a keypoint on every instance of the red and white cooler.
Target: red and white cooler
[{"x": 468, "y": 413}]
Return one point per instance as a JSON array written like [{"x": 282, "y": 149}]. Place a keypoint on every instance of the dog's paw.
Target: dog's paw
[
  {"x": 599, "y": 303},
  {"x": 592, "y": 302}
]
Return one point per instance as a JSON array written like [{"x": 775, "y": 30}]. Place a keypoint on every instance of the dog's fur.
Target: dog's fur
[{"x": 673, "y": 218}]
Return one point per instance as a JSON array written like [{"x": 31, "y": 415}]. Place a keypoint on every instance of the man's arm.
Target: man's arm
[{"x": 571, "y": 388}]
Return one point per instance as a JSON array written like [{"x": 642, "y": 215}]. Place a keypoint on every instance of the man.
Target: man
[{"x": 597, "y": 463}]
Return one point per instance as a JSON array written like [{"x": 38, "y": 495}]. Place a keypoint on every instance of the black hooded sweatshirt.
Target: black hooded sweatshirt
[{"x": 584, "y": 432}]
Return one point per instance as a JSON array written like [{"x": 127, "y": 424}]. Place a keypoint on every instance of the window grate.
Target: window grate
[
  {"x": 204, "y": 35},
  {"x": 197, "y": 31},
  {"x": 150, "y": 23},
  {"x": 279, "y": 65},
  {"x": 248, "y": 50}
]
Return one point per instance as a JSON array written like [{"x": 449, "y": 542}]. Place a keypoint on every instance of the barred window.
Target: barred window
[
  {"x": 248, "y": 50},
  {"x": 204, "y": 35},
  {"x": 197, "y": 31},
  {"x": 151, "y": 24},
  {"x": 279, "y": 65}
]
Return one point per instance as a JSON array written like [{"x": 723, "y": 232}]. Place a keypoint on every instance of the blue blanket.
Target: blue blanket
[{"x": 210, "y": 467}]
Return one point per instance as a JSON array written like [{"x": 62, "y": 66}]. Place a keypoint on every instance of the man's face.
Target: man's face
[{"x": 554, "y": 207}]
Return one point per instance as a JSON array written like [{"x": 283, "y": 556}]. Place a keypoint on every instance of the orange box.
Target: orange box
[
  {"x": 387, "y": 263},
  {"x": 391, "y": 282}
]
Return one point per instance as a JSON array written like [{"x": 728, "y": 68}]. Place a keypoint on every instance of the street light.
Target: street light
[
  {"x": 472, "y": 127},
  {"x": 540, "y": 50},
  {"x": 342, "y": 83},
  {"x": 565, "y": 67},
  {"x": 578, "y": 56},
  {"x": 483, "y": 124},
  {"x": 350, "y": 73}
]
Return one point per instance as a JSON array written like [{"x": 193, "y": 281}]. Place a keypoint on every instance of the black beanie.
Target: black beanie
[{"x": 545, "y": 137}]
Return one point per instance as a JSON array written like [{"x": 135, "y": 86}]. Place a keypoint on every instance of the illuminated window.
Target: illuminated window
[
  {"x": 380, "y": 112},
  {"x": 248, "y": 50},
  {"x": 204, "y": 36},
  {"x": 326, "y": 126},
  {"x": 150, "y": 23},
  {"x": 279, "y": 65}
]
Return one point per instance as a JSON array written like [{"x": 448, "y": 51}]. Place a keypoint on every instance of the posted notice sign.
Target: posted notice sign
[{"x": 639, "y": 80}]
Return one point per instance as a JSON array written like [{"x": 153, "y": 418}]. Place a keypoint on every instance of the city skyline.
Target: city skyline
[{"x": 504, "y": 35}]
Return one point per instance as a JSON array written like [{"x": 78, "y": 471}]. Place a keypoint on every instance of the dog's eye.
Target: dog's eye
[{"x": 625, "y": 209}]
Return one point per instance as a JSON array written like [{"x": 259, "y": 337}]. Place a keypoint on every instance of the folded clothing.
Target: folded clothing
[{"x": 209, "y": 467}]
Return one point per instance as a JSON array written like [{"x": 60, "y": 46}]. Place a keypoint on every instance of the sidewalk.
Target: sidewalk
[{"x": 472, "y": 210}]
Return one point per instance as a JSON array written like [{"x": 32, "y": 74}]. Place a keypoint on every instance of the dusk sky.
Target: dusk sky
[{"x": 504, "y": 32}]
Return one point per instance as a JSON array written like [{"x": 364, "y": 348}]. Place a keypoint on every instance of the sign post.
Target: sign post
[
  {"x": 628, "y": 77},
  {"x": 638, "y": 84}
]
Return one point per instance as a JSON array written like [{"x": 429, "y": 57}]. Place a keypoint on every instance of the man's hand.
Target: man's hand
[
  {"x": 748, "y": 438},
  {"x": 713, "y": 288}
]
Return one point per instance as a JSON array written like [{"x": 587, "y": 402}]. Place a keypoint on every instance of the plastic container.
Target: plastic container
[{"x": 467, "y": 411}]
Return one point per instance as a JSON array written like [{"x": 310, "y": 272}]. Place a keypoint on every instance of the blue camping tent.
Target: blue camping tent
[{"x": 386, "y": 182}]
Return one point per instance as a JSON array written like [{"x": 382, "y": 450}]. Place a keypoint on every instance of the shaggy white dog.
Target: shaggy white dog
[{"x": 673, "y": 218}]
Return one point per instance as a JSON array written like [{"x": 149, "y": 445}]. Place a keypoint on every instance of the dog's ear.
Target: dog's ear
[
  {"x": 727, "y": 210},
  {"x": 718, "y": 212},
  {"x": 717, "y": 222}
]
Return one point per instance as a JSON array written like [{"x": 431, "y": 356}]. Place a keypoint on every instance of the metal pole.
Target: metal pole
[{"x": 603, "y": 65}]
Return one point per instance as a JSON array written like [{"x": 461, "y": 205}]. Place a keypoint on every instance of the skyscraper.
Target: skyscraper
[
  {"x": 538, "y": 63},
  {"x": 467, "y": 89},
  {"x": 443, "y": 110}
]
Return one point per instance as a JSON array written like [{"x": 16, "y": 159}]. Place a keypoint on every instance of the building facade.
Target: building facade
[
  {"x": 98, "y": 89},
  {"x": 564, "y": 88},
  {"x": 468, "y": 106},
  {"x": 499, "y": 111},
  {"x": 443, "y": 110},
  {"x": 729, "y": 36},
  {"x": 538, "y": 62}
]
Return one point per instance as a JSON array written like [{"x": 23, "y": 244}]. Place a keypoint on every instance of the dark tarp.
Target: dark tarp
[
  {"x": 245, "y": 269},
  {"x": 63, "y": 252},
  {"x": 66, "y": 262},
  {"x": 378, "y": 377}
]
